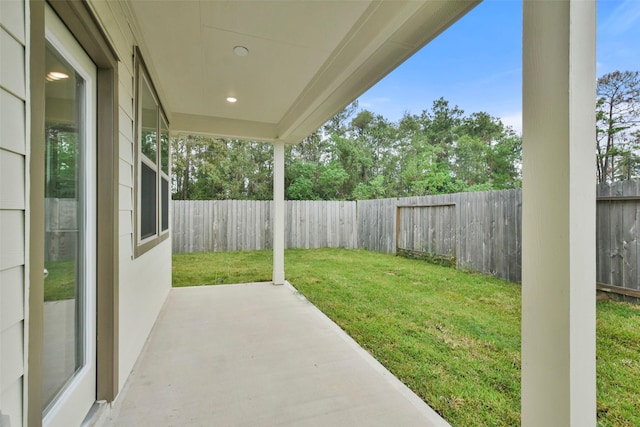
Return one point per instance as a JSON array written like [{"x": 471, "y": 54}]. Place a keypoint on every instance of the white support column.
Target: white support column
[
  {"x": 278, "y": 213},
  {"x": 558, "y": 232}
]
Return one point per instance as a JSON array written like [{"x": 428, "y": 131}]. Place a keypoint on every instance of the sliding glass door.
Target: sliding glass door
[{"x": 69, "y": 365}]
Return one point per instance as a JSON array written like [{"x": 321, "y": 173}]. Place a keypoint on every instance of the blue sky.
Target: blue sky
[{"x": 477, "y": 63}]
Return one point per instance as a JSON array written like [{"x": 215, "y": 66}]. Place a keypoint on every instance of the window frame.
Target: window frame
[
  {"x": 162, "y": 175},
  {"x": 141, "y": 78}
]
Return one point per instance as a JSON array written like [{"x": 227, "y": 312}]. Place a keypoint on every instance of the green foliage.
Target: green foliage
[
  {"x": 206, "y": 168},
  {"x": 374, "y": 189},
  {"x": 331, "y": 181},
  {"x": 452, "y": 337},
  {"x": 425, "y": 173},
  {"x": 207, "y": 268},
  {"x": 471, "y": 165},
  {"x": 302, "y": 184},
  {"x": 505, "y": 161},
  {"x": 359, "y": 155},
  {"x": 62, "y": 154}
]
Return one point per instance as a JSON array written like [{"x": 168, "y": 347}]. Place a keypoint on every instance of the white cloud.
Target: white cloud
[
  {"x": 624, "y": 17},
  {"x": 513, "y": 120},
  {"x": 373, "y": 102}
]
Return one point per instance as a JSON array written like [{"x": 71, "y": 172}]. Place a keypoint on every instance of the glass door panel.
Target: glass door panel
[
  {"x": 68, "y": 378},
  {"x": 64, "y": 224}
]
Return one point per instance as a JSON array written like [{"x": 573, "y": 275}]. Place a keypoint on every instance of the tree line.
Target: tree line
[{"x": 358, "y": 154}]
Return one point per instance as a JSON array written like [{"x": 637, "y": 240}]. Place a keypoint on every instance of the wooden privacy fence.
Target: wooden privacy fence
[
  {"x": 618, "y": 236},
  {"x": 482, "y": 230},
  {"x": 427, "y": 231},
  {"x": 61, "y": 230},
  {"x": 221, "y": 225},
  {"x": 234, "y": 225}
]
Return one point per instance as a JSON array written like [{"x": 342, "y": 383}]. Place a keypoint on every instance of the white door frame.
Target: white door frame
[{"x": 73, "y": 403}]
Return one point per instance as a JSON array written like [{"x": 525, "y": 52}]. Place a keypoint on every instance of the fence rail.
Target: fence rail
[{"x": 483, "y": 230}]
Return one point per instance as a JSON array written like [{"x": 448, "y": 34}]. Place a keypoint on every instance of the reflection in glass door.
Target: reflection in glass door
[{"x": 69, "y": 286}]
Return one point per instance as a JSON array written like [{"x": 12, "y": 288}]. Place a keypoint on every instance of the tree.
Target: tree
[
  {"x": 471, "y": 165},
  {"x": 337, "y": 125},
  {"x": 487, "y": 155},
  {"x": 505, "y": 162},
  {"x": 356, "y": 159},
  {"x": 361, "y": 155},
  {"x": 441, "y": 125},
  {"x": 207, "y": 168},
  {"x": 425, "y": 173},
  {"x": 62, "y": 155},
  {"x": 617, "y": 115}
]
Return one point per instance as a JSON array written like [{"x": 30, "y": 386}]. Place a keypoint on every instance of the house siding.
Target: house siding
[
  {"x": 144, "y": 281},
  {"x": 13, "y": 207}
]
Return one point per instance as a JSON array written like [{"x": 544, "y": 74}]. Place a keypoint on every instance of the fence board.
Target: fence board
[
  {"x": 232, "y": 225},
  {"x": 629, "y": 245},
  {"x": 483, "y": 230},
  {"x": 428, "y": 228}
]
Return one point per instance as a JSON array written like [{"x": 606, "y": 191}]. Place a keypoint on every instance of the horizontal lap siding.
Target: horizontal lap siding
[{"x": 13, "y": 207}]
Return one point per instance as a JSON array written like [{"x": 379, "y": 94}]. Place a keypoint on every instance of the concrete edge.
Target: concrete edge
[
  {"x": 221, "y": 285},
  {"x": 398, "y": 385},
  {"x": 110, "y": 411}
]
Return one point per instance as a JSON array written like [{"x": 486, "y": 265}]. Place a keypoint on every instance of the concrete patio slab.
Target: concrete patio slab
[{"x": 259, "y": 355}]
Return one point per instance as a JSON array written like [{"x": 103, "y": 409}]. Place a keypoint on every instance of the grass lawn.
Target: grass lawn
[
  {"x": 61, "y": 282},
  {"x": 452, "y": 337}
]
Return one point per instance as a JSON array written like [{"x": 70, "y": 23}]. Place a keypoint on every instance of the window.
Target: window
[{"x": 152, "y": 164}]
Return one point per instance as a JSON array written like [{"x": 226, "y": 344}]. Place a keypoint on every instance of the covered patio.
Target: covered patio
[
  {"x": 259, "y": 355},
  {"x": 271, "y": 71},
  {"x": 275, "y": 71}
]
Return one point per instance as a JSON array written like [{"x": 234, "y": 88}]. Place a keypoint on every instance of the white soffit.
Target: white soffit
[{"x": 306, "y": 61}]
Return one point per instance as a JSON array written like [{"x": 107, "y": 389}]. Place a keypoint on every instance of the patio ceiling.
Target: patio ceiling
[{"x": 306, "y": 61}]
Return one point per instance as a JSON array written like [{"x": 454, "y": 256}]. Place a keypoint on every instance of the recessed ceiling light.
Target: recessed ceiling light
[
  {"x": 56, "y": 75},
  {"x": 241, "y": 51},
  {"x": 231, "y": 99}
]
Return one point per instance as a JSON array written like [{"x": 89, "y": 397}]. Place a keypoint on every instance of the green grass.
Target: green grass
[
  {"x": 61, "y": 282},
  {"x": 204, "y": 268},
  {"x": 452, "y": 337}
]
